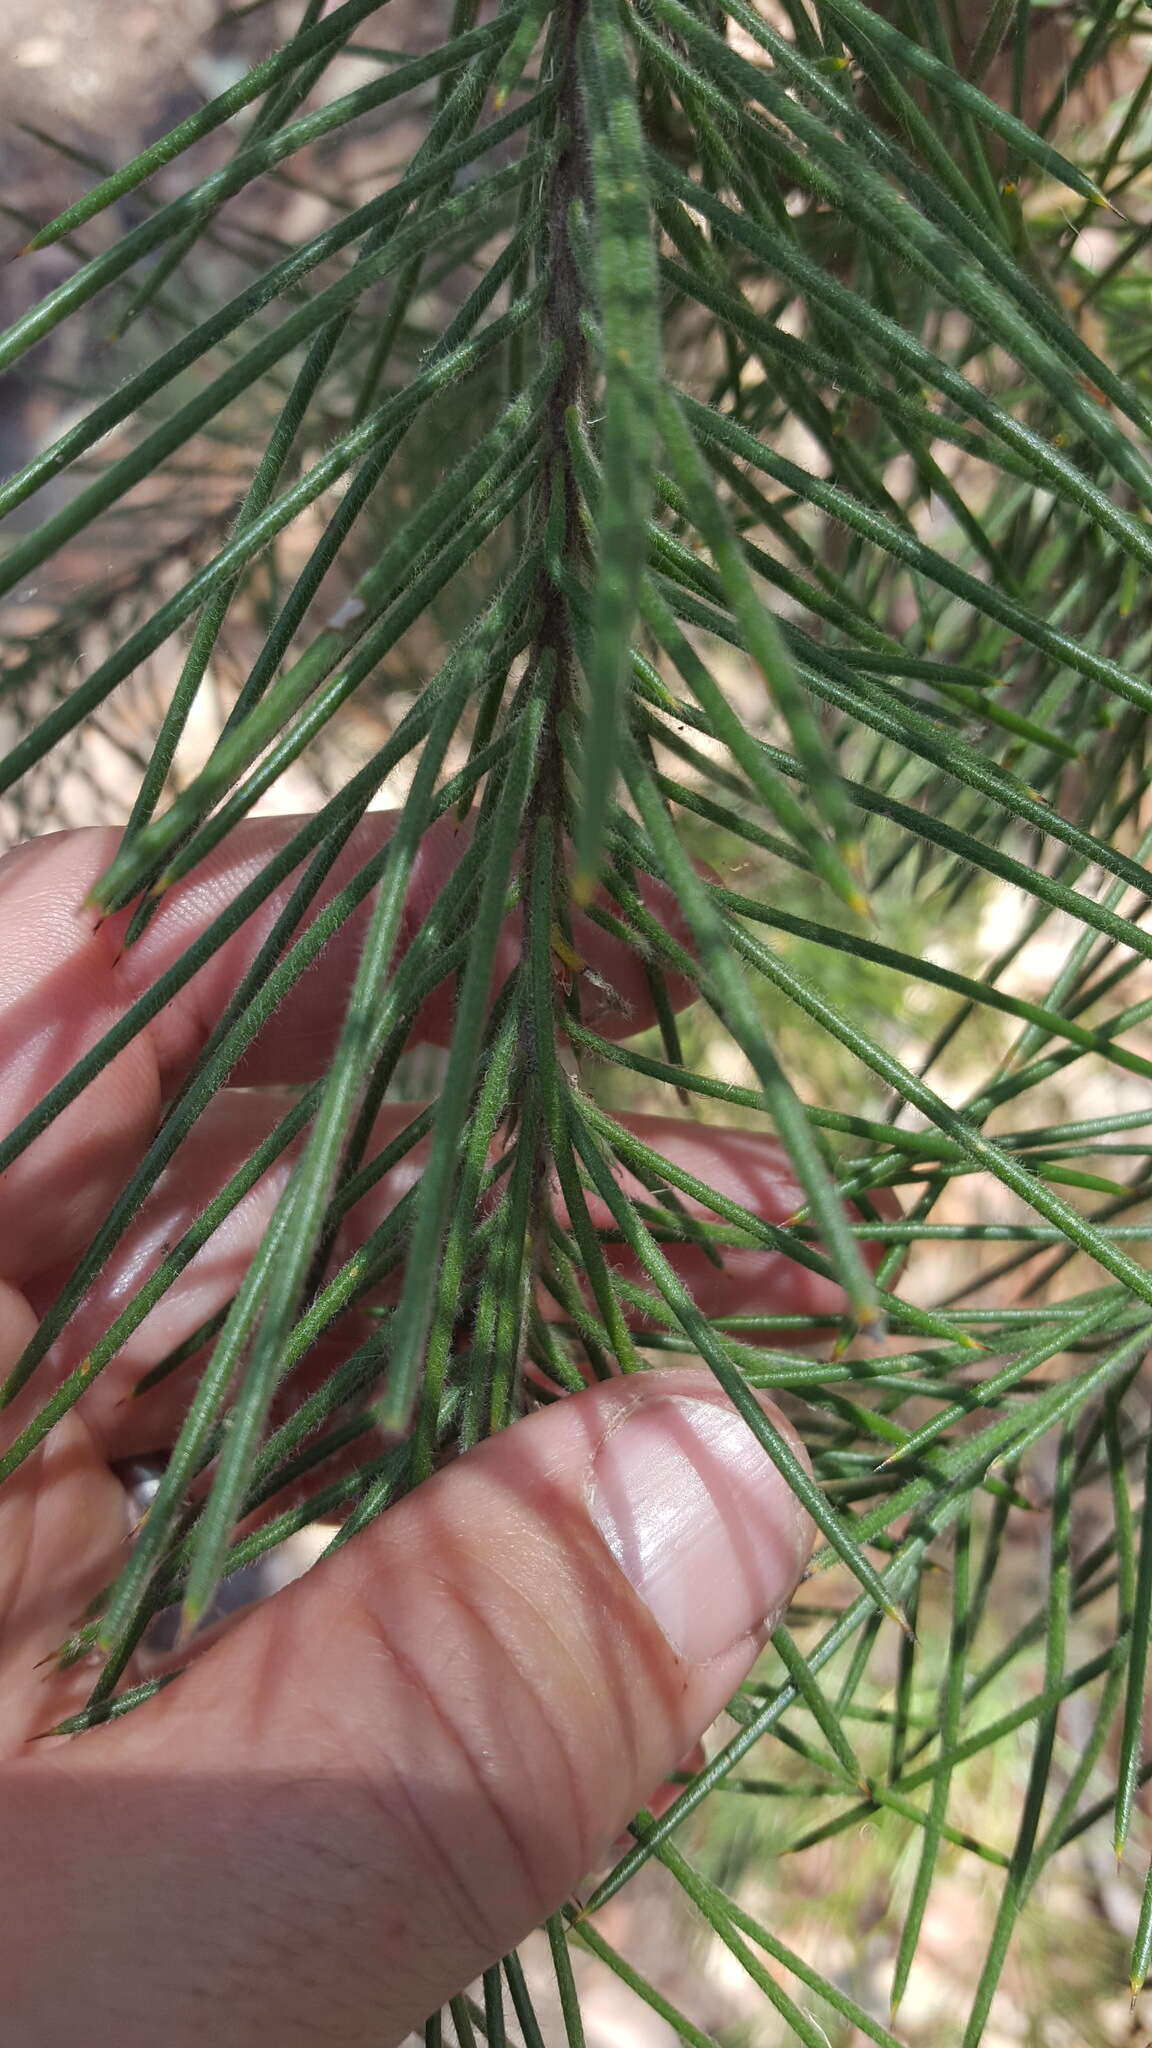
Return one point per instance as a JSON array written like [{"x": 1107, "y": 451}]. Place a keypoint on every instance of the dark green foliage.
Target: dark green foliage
[{"x": 770, "y": 479}]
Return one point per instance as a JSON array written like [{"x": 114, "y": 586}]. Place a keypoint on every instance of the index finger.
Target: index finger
[{"x": 65, "y": 980}]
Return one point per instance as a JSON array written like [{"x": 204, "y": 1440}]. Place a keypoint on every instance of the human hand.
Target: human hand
[{"x": 374, "y": 1784}]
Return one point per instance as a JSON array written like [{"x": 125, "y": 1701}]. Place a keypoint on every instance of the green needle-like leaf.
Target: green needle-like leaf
[
  {"x": 626, "y": 291},
  {"x": 951, "y": 1704},
  {"x": 1132, "y": 1728},
  {"x": 410, "y": 1325},
  {"x": 764, "y": 642}
]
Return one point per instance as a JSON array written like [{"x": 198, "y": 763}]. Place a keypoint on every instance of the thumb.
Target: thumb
[{"x": 385, "y": 1777}]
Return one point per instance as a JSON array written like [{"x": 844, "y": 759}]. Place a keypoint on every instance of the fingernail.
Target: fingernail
[{"x": 700, "y": 1521}]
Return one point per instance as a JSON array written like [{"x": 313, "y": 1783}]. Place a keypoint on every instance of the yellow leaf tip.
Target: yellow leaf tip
[
  {"x": 1099, "y": 198},
  {"x": 566, "y": 954},
  {"x": 871, "y": 1322},
  {"x": 190, "y": 1619}
]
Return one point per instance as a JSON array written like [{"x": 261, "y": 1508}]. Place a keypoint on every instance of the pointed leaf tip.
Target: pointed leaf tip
[
  {"x": 871, "y": 1323},
  {"x": 566, "y": 954},
  {"x": 191, "y": 1615}
]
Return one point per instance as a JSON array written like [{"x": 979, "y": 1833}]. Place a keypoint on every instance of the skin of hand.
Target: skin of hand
[{"x": 371, "y": 1786}]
